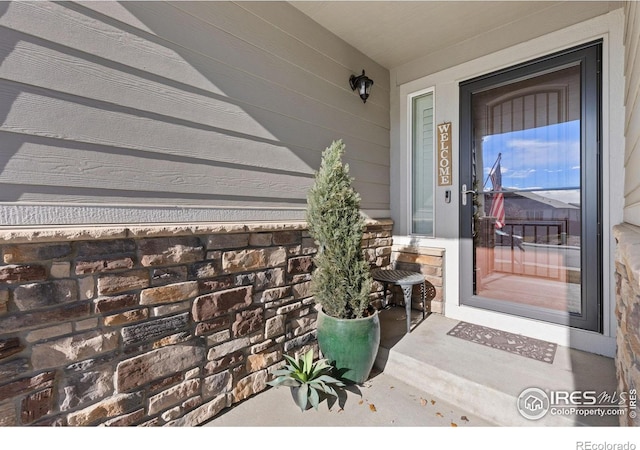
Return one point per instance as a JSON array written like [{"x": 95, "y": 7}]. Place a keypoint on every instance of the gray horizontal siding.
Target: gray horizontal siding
[{"x": 136, "y": 110}]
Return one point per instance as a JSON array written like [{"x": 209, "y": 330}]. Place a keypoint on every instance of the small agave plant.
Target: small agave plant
[{"x": 307, "y": 380}]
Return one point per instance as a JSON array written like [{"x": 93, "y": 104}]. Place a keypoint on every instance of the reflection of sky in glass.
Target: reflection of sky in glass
[{"x": 537, "y": 158}]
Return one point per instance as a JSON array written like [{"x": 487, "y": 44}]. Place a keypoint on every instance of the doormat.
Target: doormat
[{"x": 513, "y": 343}]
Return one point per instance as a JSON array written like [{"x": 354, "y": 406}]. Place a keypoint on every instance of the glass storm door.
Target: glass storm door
[{"x": 530, "y": 194}]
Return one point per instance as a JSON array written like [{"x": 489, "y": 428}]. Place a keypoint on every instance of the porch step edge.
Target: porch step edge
[{"x": 489, "y": 403}]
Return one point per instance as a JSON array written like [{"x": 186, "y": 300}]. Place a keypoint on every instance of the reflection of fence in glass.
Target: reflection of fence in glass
[
  {"x": 540, "y": 237},
  {"x": 537, "y": 248}
]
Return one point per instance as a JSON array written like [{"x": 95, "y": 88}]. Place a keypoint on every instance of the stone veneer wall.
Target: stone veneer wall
[
  {"x": 428, "y": 261},
  {"x": 628, "y": 311},
  {"x": 152, "y": 325}
]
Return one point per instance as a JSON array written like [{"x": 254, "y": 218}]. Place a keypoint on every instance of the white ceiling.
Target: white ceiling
[{"x": 393, "y": 33}]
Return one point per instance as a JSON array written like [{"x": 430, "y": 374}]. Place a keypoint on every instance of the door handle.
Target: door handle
[{"x": 464, "y": 191}]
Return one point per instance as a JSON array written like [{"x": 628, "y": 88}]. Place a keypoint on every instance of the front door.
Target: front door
[{"x": 530, "y": 190}]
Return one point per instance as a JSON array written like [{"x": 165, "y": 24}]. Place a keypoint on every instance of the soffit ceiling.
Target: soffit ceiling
[{"x": 393, "y": 33}]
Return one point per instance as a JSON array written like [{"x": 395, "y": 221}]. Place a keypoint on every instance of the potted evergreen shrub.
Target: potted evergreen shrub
[{"x": 348, "y": 327}]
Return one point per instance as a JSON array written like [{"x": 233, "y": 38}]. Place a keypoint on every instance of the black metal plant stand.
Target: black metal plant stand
[{"x": 406, "y": 280}]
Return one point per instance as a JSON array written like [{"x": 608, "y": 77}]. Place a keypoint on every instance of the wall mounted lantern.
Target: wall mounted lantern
[{"x": 363, "y": 84}]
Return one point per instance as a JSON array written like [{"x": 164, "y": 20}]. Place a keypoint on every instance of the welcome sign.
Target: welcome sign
[{"x": 444, "y": 154}]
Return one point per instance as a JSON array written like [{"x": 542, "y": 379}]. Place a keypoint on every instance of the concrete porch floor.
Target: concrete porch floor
[
  {"x": 487, "y": 381},
  {"x": 429, "y": 379}
]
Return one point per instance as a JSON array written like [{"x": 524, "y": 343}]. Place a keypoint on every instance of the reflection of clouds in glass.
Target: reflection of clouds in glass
[
  {"x": 503, "y": 170},
  {"x": 532, "y": 144},
  {"x": 547, "y": 156},
  {"x": 521, "y": 173},
  {"x": 564, "y": 147}
]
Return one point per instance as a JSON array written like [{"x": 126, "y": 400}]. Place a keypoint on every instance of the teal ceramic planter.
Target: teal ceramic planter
[{"x": 350, "y": 344}]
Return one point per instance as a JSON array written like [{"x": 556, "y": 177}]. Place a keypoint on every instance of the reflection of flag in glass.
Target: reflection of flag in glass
[{"x": 497, "y": 205}]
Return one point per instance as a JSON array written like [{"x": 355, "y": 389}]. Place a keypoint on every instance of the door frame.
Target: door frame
[
  {"x": 444, "y": 80},
  {"x": 589, "y": 57}
]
